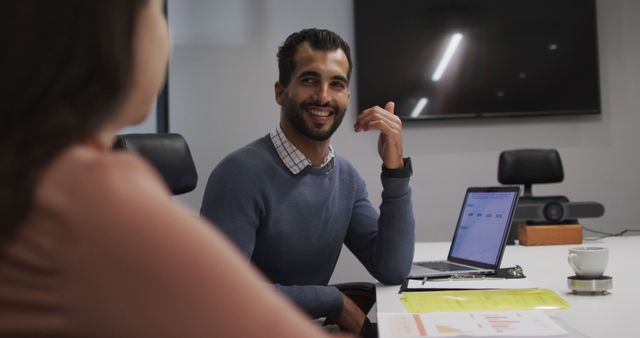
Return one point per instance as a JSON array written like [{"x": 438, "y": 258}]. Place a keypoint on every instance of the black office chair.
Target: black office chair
[
  {"x": 528, "y": 167},
  {"x": 168, "y": 153}
]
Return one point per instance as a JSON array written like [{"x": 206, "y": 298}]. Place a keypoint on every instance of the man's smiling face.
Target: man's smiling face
[{"x": 315, "y": 100}]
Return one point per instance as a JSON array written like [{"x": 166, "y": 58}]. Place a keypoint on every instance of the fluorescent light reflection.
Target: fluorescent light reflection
[
  {"x": 419, "y": 107},
  {"x": 448, "y": 54}
]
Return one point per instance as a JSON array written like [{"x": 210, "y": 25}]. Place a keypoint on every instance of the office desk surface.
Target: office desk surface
[{"x": 616, "y": 314}]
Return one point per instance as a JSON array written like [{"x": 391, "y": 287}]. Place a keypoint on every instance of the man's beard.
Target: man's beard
[{"x": 294, "y": 113}]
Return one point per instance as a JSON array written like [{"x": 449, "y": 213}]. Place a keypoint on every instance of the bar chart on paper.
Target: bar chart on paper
[{"x": 452, "y": 324}]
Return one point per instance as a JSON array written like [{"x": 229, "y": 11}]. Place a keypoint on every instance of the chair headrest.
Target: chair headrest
[
  {"x": 530, "y": 166},
  {"x": 168, "y": 153}
]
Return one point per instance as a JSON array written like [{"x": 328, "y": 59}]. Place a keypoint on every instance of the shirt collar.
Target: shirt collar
[{"x": 292, "y": 157}]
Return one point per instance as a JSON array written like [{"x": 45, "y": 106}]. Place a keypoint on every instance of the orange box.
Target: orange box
[{"x": 550, "y": 234}]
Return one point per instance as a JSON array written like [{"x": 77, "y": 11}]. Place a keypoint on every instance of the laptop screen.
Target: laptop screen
[{"x": 483, "y": 225}]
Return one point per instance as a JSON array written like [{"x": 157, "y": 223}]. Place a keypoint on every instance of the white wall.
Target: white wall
[{"x": 221, "y": 98}]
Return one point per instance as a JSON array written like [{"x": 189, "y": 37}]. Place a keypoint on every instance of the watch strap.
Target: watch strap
[{"x": 405, "y": 171}]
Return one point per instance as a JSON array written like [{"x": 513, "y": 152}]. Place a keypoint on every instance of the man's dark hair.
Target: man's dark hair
[
  {"x": 318, "y": 39},
  {"x": 66, "y": 65}
]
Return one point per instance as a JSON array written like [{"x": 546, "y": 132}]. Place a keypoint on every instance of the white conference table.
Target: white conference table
[{"x": 616, "y": 314}]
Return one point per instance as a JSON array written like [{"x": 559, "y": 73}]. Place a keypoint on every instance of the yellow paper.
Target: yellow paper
[{"x": 479, "y": 300}]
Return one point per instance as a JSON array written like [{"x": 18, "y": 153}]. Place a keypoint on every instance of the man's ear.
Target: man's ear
[{"x": 279, "y": 90}]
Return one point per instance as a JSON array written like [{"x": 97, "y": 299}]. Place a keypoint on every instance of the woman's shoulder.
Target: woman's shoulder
[{"x": 82, "y": 174}]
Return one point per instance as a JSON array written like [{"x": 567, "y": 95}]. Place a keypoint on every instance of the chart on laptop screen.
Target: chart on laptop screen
[{"x": 482, "y": 225}]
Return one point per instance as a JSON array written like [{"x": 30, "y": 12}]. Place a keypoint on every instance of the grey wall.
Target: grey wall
[{"x": 221, "y": 97}]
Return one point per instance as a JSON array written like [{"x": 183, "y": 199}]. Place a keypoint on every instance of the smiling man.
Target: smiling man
[{"x": 289, "y": 202}]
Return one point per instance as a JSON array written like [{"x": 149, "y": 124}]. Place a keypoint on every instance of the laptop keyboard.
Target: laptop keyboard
[{"x": 442, "y": 266}]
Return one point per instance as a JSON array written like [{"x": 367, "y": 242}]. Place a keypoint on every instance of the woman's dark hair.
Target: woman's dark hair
[
  {"x": 318, "y": 39},
  {"x": 65, "y": 66}
]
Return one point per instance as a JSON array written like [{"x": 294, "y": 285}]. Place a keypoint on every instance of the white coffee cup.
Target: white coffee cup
[{"x": 588, "y": 261}]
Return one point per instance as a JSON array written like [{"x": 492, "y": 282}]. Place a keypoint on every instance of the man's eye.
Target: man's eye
[
  {"x": 338, "y": 84},
  {"x": 308, "y": 80}
]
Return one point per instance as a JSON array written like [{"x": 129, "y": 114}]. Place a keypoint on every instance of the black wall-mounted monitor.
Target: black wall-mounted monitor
[{"x": 477, "y": 58}]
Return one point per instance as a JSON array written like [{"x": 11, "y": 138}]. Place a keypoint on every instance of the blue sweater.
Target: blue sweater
[{"x": 293, "y": 226}]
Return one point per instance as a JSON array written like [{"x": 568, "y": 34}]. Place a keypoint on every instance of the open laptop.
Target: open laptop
[{"x": 480, "y": 236}]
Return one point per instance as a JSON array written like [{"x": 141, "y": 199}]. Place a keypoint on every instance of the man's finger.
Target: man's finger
[{"x": 390, "y": 107}]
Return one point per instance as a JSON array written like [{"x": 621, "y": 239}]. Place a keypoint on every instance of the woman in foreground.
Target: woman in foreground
[{"x": 91, "y": 242}]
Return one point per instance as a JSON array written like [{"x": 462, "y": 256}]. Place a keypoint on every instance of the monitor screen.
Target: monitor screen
[{"x": 477, "y": 58}]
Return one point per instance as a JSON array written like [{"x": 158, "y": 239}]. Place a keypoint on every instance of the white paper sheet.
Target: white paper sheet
[{"x": 470, "y": 284}]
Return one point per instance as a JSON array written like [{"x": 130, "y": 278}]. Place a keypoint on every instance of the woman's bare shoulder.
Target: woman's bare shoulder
[
  {"x": 129, "y": 232},
  {"x": 83, "y": 174}
]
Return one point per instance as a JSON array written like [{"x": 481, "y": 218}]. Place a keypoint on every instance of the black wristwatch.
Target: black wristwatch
[{"x": 405, "y": 171}]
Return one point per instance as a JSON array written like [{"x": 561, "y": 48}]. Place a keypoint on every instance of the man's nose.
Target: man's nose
[{"x": 322, "y": 93}]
